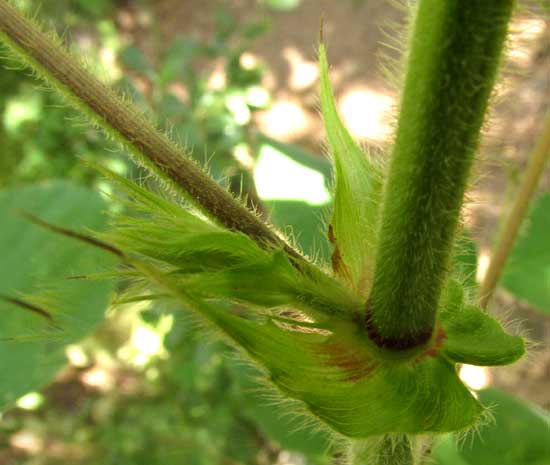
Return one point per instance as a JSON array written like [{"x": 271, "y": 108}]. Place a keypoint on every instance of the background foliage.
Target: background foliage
[{"x": 145, "y": 387}]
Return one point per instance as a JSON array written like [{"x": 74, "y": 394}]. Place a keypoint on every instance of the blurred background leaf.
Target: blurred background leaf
[
  {"x": 31, "y": 351},
  {"x": 527, "y": 271},
  {"x": 518, "y": 434}
]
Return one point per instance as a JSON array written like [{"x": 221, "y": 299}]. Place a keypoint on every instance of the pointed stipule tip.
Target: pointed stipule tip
[{"x": 321, "y": 26}]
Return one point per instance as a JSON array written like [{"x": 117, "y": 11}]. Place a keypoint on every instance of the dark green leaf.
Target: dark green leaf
[
  {"x": 290, "y": 431},
  {"x": 31, "y": 349},
  {"x": 304, "y": 222},
  {"x": 527, "y": 271},
  {"x": 519, "y": 435}
]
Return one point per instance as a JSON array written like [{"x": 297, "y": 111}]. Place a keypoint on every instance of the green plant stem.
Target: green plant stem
[
  {"x": 523, "y": 198},
  {"x": 389, "y": 449},
  {"x": 122, "y": 120},
  {"x": 455, "y": 50}
]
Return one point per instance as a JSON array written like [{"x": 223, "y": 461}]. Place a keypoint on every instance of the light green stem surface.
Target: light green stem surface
[
  {"x": 386, "y": 450},
  {"x": 455, "y": 51}
]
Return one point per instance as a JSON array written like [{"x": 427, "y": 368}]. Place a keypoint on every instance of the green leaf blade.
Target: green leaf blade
[
  {"x": 527, "y": 272},
  {"x": 31, "y": 350}
]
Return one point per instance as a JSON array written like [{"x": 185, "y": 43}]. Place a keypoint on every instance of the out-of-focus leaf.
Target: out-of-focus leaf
[
  {"x": 358, "y": 187},
  {"x": 134, "y": 59},
  {"x": 527, "y": 272},
  {"x": 177, "y": 60},
  {"x": 305, "y": 222},
  {"x": 254, "y": 30},
  {"x": 31, "y": 350},
  {"x": 518, "y": 435},
  {"x": 95, "y": 8},
  {"x": 274, "y": 420},
  {"x": 446, "y": 452}
]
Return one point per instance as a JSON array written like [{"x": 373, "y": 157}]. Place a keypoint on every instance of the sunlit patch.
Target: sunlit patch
[
  {"x": 98, "y": 378},
  {"x": 475, "y": 377},
  {"x": 217, "y": 80},
  {"x": 303, "y": 73},
  {"x": 258, "y": 97},
  {"x": 283, "y": 5},
  {"x": 22, "y": 109},
  {"x": 117, "y": 165},
  {"x": 366, "y": 113},
  {"x": 76, "y": 355},
  {"x": 278, "y": 177},
  {"x": 290, "y": 458},
  {"x": 146, "y": 342},
  {"x": 27, "y": 441},
  {"x": 483, "y": 262},
  {"x": 241, "y": 152},
  {"x": 30, "y": 401},
  {"x": 285, "y": 120},
  {"x": 24, "y": 5},
  {"x": 248, "y": 60},
  {"x": 238, "y": 107},
  {"x": 108, "y": 53},
  {"x": 525, "y": 31},
  {"x": 108, "y": 58}
]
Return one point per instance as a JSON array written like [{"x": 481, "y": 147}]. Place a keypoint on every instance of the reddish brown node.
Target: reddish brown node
[{"x": 437, "y": 344}]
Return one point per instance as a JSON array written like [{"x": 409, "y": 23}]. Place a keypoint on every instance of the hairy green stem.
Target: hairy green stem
[
  {"x": 455, "y": 50},
  {"x": 507, "y": 238},
  {"x": 122, "y": 120},
  {"x": 390, "y": 449}
]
